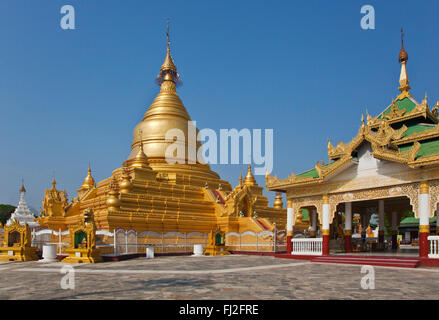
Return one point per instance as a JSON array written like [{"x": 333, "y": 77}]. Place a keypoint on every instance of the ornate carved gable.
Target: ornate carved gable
[
  {"x": 240, "y": 200},
  {"x": 23, "y": 231}
]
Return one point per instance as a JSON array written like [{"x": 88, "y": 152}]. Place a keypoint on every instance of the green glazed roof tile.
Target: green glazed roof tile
[
  {"x": 416, "y": 129},
  {"x": 407, "y": 104}
]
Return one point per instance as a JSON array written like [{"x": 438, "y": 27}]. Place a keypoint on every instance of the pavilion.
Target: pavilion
[{"x": 390, "y": 167}]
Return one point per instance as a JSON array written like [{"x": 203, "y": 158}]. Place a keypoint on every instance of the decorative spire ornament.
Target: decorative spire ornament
[
  {"x": 249, "y": 179},
  {"x": 89, "y": 182},
  {"x": 140, "y": 160},
  {"x": 168, "y": 71},
  {"x": 404, "y": 85}
]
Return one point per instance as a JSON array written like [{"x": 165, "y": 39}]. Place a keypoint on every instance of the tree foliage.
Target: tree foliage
[{"x": 5, "y": 212}]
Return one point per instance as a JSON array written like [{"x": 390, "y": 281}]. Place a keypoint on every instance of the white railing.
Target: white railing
[
  {"x": 434, "y": 247},
  {"x": 307, "y": 246}
]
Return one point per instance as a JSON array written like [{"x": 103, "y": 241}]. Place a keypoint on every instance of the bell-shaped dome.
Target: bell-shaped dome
[
  {"x": 167, "y": 113},
  {"x": 89, "y": 182}
]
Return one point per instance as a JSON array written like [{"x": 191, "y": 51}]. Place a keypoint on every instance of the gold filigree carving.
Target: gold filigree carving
[{"x": 394, "y": 111}]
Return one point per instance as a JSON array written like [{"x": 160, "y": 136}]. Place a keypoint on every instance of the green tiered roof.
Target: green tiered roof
[
  {"x": 385, "y": 134},
  {"x": 414, "y": 221},
  {"x": 313, "y": 172},
  {"x": 416, "y": 128},
  {"x": 405, "y": 104},
  {"x": 310, "y": 173}
]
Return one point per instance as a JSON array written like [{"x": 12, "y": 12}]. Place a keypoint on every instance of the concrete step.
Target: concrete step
[{"x": 372, "y": 261}]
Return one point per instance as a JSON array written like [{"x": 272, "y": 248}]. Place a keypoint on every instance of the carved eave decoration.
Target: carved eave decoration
[
  {"x": 425, "y": 161},
  {"x": 324, "y": 172},
  {"x": 395, "y": 115},
  {"x": 424, "y": 135},
  {"x": 383, "y": 137},
  {"x": 384, "y": 147},
  {"x": 408, "y": 157}
]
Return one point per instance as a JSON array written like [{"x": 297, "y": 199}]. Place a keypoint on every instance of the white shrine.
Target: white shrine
[{"x": 22, "y": 213}]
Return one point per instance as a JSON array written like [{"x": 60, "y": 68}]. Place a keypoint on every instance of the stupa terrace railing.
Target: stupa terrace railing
[
  {"x": 434, "y": 247},
  {"x": 250, "y": 241},
  {"x": 121, "y": 241}
]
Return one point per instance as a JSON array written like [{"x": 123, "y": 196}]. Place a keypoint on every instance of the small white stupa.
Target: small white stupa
[{"x": 22, "y": 213}]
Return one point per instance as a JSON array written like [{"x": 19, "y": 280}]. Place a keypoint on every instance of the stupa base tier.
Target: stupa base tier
[
  {"x": 83, "y": 256},
  {"x": 18, "y": 254}
]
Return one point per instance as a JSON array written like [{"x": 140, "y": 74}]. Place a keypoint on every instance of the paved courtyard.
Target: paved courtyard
[{"x": 222, "y": 277}]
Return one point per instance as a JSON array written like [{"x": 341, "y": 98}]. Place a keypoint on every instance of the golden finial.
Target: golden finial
[
  {"x": 278, "y": 203},
  {"x": 435, "y": 109},
  {"x": 329, "y": 143},
  {"x": 140, "y": 160},
  {"x": 168, "y": 70},
  {"x": 403, "y": 58},
  {"x": 424, "y": 102},
  {"x": 240, "y": 177},
  {"x": 89, "y": 182},
  {"x": 249, "y": 179},
  {"x": 362, "y": 119},
  {"x": 53, "y": 181},
  {"x": 22, "y": 189}
]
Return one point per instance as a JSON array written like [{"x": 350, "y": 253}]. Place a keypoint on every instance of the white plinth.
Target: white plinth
[
  {"x": 198, "y": 250},
  {"x": 49, "y": 253},
  {"x": 149, "y": 252}
]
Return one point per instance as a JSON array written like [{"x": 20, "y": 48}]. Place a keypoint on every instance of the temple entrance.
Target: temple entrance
[
  {"x": 372, "y": 227},
  {"x": 244, "y": 207},
  {"x": 14, "y": 239},
  {"x": 80, "y": 239}
]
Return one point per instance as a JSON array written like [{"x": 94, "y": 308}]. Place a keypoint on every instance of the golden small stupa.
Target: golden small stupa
[{"x": 149, "y": 194}]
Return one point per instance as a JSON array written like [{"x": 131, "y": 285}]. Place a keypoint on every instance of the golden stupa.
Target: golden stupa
[{"x": 149, "y": 194}]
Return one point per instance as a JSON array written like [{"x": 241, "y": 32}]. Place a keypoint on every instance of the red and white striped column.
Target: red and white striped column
[
  {"x": 348, "y": 227},
  {"x": 325, "y": 225},
  {"x": 424, "y": 219},
  {"x": 289, "y": 225}
]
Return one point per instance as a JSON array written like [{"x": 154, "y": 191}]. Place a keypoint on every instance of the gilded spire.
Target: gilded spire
[
  {"x": 140, "y": 160},
  {"x": 240, "y": 178},
  {"x": 53, "y": 183},
  {"x": 89, "y": 182},
  {"x": 249, "y": 179},
  {"x": 168, "y": 71},
  {"x": 403, "y": 58},
  {"x": 22, "y": 189}
]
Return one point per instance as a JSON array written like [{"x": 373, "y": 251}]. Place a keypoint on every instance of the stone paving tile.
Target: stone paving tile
[{"x": 301, "y": 281}]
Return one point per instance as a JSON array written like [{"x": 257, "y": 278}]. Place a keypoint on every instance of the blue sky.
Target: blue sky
[{"x": 304, "y": 68}]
